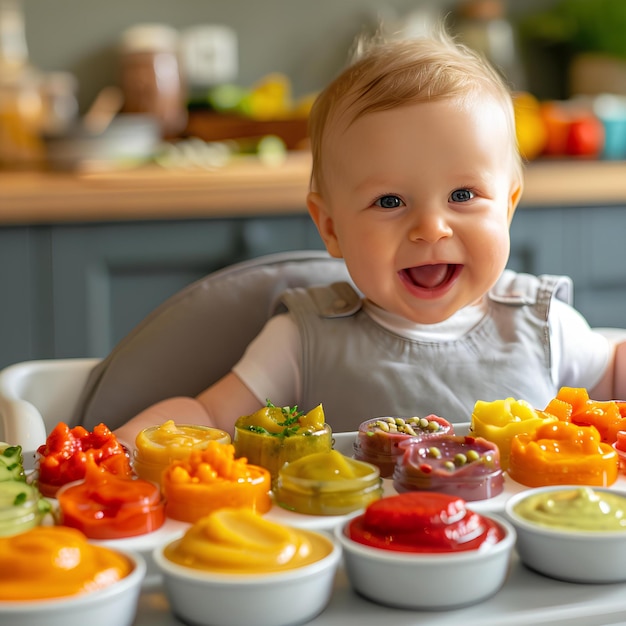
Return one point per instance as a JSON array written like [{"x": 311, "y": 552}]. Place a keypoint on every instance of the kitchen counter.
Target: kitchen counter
[{"x": 248, "y": 188}]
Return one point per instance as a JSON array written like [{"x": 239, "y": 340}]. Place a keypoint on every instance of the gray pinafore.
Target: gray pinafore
[{"x": 357, "y": 369}]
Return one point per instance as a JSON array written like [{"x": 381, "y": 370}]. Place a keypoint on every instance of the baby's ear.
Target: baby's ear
[
  {"x": 321, "y": 215},
  {"x": 515, "y": 195}
]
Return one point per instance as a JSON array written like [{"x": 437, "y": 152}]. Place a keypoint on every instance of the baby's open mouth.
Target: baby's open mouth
[{"x": 431, "y": 276}]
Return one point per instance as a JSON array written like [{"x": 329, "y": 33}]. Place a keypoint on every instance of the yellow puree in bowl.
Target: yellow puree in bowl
[
  {"x": 161, "y": 444},
  {"x": 54, "y": 562},
  {"x": 157, "y": 446},
  {"x": 575, "y": 509},
  {"x": 239, "y": 541}
]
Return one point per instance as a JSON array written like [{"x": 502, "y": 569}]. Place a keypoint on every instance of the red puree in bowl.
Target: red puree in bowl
[{"x": 423, "y": 522}]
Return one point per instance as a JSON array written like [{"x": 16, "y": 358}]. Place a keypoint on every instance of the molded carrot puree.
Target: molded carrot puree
[
  {"x": 239, "y": 541},
  {"x": 56, "y": 561}
]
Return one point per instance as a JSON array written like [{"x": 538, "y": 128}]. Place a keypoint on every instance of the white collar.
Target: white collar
[{"x": 452, "y": 328}]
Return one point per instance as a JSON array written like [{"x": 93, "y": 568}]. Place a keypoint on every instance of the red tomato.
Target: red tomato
[
  {"x": 585, "y": 137},
  {"x": 63, "y": 457}
]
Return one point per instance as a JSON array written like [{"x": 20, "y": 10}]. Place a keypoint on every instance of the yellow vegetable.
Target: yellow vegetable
[
  {"x": 499, "y": 421},
  {"x": 531, "y": 131}
]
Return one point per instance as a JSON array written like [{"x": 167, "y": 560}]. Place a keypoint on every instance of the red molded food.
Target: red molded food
[
  {"x": 423, "y": 522},
  {"x": 466, "y": 467},
  {"x": 63, "y": 458},
  {"x": 106, "y": 506},
  {"x": 378, "y": 439}
]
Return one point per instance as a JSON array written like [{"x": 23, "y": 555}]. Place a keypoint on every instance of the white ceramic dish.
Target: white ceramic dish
[
  {"x": 116, "y": 604},
  {"x": 203, "y": 598},
  {"x": 140, "y": 544},
  {"x": 432, "y": 582},
  {"x": 570, "y": 555},
  {"x": 144, "y": 545}
]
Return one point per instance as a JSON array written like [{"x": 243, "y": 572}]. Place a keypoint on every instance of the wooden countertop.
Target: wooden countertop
[{"x": 248, "y": 188}]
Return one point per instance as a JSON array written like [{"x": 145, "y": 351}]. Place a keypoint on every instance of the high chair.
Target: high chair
[
  {"x": 183, "y": 346},
  {"x": 187, "y": 343}
]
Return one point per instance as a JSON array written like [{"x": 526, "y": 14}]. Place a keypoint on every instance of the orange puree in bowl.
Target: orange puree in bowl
[
  {"x": 240, "y": 541},
  {"x": 55, "y": 562}
]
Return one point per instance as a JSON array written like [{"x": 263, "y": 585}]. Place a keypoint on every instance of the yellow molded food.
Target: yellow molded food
[
  {"x": 272, "y": 436},
  {"x": 327, "y": 483},
  {"x": 158, "y": 446},
  {"x": 239, "y": 541},
  {"x": 499, "y": 421}
]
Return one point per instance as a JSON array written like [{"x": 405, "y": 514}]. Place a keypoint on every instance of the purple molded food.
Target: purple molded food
[
  {"x": 466, "y": 467},
  {"x": 378, "y": 439}
]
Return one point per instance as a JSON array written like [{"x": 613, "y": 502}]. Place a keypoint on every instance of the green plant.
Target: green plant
[{"x": 581, "y": 26}]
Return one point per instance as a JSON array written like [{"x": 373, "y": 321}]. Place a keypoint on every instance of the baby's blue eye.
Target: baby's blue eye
[
  {"x": 461, "y": 195},
  {"x": 388, "y": 202}
]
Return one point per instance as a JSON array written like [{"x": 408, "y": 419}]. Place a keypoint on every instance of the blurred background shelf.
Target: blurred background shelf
[
  {"x": 218, "y": 127},
  {"x": 247, "y": 187}
]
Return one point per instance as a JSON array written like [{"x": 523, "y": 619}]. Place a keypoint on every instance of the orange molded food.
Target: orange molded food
[
  {"x": 56, "y": 562},
  {"x": 212, "y": 479},
  {"x": 500, "y": 420},
  {"x": 561, "y": 453},
  {"x": 608, "y": 417},
  {"x": 106, "y": 506},
  {"x": 423, "y": 522},
  {"x": 63, "y": 458}
]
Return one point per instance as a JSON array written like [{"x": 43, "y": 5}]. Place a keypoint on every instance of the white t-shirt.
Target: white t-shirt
[{"x": 575, "y": 363}]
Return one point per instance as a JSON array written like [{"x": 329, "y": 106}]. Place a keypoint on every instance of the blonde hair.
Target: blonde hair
[{"x": 388, "y": 74}]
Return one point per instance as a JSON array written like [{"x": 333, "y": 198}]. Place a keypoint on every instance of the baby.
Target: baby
[{"x": 416, "y": 177}]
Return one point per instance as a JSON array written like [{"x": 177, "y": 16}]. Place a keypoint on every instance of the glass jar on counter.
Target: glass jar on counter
[
  {"x": 20, "y": 99},
  {"x": 150, "y": 75},
  {"x": 21, "y": 112}
]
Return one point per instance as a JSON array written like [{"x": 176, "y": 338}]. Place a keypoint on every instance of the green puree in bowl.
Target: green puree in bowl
[{"x": 576, "y": 509}]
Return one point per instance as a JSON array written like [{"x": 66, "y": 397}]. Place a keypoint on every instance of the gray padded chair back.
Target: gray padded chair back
[{"x": 196, "y": 336}]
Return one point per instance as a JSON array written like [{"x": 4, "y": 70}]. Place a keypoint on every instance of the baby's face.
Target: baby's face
[{"x": 417, "y": 200}]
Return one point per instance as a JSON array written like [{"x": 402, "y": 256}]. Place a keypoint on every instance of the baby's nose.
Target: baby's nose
[{"x": 429, "y": 225}]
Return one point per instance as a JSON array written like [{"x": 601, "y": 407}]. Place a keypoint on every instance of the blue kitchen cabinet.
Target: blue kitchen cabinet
[{"x": 74, "y": 290}]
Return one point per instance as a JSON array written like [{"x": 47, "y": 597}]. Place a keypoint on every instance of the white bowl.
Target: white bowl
[
  {"x": 421, "y": 581},
  {"x": 203, "y": 598},
  {"x": 570, "y": 555},
  {"x": 144, "y": 545},
  {"x": 115, "y": 604}
]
